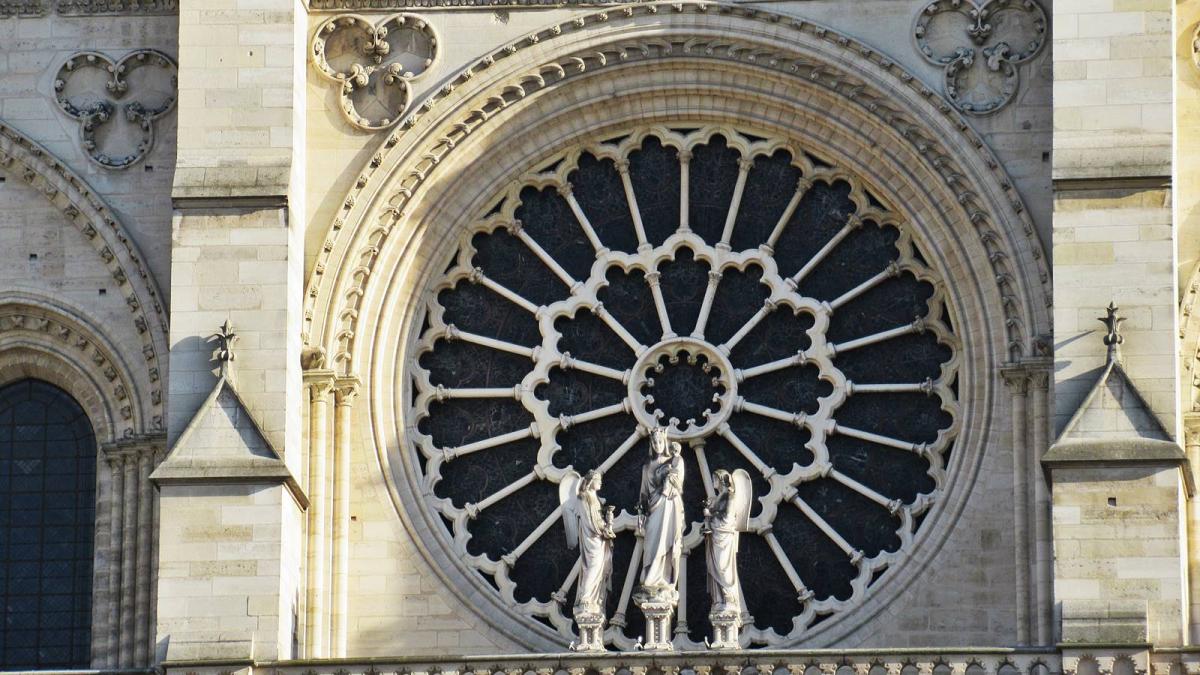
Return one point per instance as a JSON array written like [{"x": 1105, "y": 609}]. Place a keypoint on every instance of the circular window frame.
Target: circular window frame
[{"x": 448, "y": 247}]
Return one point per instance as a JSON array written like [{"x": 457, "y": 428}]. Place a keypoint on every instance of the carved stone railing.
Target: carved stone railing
[{"x": 1040, "y": 661}]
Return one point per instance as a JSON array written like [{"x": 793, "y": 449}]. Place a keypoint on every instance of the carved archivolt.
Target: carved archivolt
[
  {"x": 979, "y": 46},
  {"x": 24, "y": 159},
  {"x": 26, "y": 324},
  {"x": 373, "y": 64},
  {"x": 116, "y": 102},
  {"x": 602, "y": 317}
]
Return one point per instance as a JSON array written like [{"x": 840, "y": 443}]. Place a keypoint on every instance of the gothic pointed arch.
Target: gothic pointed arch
[
  {"x": 525, "y": 120},
  {"x": 85, "y": 211}
]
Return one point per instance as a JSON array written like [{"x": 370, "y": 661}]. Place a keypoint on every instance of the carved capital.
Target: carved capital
[{"x": 345, "y": 390}]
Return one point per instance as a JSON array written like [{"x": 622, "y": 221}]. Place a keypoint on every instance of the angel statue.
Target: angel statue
[
  {"x": 726, "y": 516},
  {"x": 660, "y": 525},
  {"x": 589, "y": 527}
]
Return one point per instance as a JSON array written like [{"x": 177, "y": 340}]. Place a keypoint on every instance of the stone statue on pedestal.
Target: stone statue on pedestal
[
  {"x": 589, "y": 527},
  {"x": 726, "y": 516},
  {"x": 661, "y": 525}
]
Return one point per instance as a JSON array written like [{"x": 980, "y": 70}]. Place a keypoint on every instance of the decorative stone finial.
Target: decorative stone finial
[
  {"x": 225, "y": 338},
  {"x": 1113, "y": 338}
]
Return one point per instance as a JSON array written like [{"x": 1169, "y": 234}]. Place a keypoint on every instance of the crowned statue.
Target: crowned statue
[
  {"x": 589, "y": 527},
  {"x": 660, "y": 525},
  {"x": 726, "y": 516}
]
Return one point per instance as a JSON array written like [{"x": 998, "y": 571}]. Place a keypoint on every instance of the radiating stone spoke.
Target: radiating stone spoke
[
  {"x": 631, "y": 199},
  {"x": 797, "y": 359},
  {"x": 478, "y": 277},
  {"x": 568, "y": 421},
  {"x": 852, "y": 224},
  {"x": 518, "y": 435},
  {"x": 890, "y": 442},
  {"x": 511, "y": 558},
  {"x": 710, "y": 292},
  {"x": 571, "y": 363},
  {"x": 617, "y": 328},
  {"x": 443, "y": 393},
  {"x": 705, "y": 474},
  {"x": 617, "y": 454},
  {"x": 823, "y": 525},
  {"x": 788, "y": 568},
  {"x": 474, "y": 509},
  {"x": 892, "y": 505},
  {"x": 843, "y": 347},
  {"x": 801, "y": 188},
  {"x": 795, "y": 419},
  {"x": 891, "y": 271},
  {"x": 735, "y": 202},
  {"x": 728, "y": 434},
  {"x": 560, "y": 596},
  {"x": 631, "y": 573},
  {"x": 660, "y": 304},
  {"x": 588, "y": 230},
  {"x": 453, "y": 333},
  {"x": 926, "y": 387},
  {"x": 767, "y": 308},
  {"x": 545, "y": 257}
]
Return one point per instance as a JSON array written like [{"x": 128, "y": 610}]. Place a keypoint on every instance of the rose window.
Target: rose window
[{"x": 766, "y": 306}]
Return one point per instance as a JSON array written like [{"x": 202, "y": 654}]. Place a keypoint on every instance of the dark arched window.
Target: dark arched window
[{"x": 47, "y": 520}]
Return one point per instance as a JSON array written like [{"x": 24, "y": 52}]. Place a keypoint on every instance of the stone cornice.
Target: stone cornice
[{"x": 34, "y": 8}]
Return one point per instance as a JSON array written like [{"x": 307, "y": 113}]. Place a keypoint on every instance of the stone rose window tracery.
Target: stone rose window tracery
[{"x": 766, "y": 306}]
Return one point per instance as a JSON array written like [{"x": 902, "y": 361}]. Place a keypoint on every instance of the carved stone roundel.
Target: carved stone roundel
[
  {"x": 769, "y": 308},
  {"x": 116, "y": 102},
  {"x": 373, "y": 63},
  {"x": 979, "y": 46}
]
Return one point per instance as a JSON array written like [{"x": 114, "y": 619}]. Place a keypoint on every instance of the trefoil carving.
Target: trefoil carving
[
  {"x": 116, "y": 102},
  {"x": 374, "y": 64},
  {"x": 979, "y": 47}
]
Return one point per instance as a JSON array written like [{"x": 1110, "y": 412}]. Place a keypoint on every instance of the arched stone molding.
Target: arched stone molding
[
  {"x": 44, "y": 338},
  {"x": 750, "y": 68},
  {"x": 792, "y": 49},
  {"x": 87, "y": 211}
]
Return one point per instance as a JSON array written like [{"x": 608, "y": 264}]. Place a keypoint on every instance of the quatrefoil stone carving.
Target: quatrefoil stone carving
[
  {"x": 116, "y": 102},
  {"x": 373, "y": 64},
  {"x": 979, "y": 46}
]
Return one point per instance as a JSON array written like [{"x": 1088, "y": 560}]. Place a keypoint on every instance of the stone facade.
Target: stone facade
[{"x": 234, "y": 230}]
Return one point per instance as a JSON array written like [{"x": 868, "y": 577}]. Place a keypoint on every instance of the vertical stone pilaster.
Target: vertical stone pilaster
[
  {"x": 1043, "y": 555},
  {"x": 1017, "y": 379},
  {"x": 128, "y": 557},
  {"x": 141, "y": 632},
  {"x": 346, "y": 391},
  {"x": 116, "y": 521},
  {"x": 320, "y": 384}
]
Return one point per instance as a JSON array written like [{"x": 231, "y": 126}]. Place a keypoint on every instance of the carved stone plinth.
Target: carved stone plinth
[
  {"x": 591, "y": 632},
  {"x": 726, "y": 630},
  {"x": 658, "y": 612}
]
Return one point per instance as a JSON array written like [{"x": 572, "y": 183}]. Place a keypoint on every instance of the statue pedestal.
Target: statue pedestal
[
  {"x": 591, "y": 632},
  {"x": 658, "y": 611},
  {"x": 726, "y": 630}
]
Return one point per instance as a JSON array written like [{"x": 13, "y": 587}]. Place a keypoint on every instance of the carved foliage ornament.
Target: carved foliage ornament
[
  {"x": 116, "y": 102},
  {"x": 979, "y": 47},
  {"x": 373, "y": 64}
]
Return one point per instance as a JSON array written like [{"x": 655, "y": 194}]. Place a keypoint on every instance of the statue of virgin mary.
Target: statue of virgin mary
[{"x": 661, "y": 520}]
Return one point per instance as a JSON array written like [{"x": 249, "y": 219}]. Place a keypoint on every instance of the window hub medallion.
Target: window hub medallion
[{"x": 683, "y": 384}]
